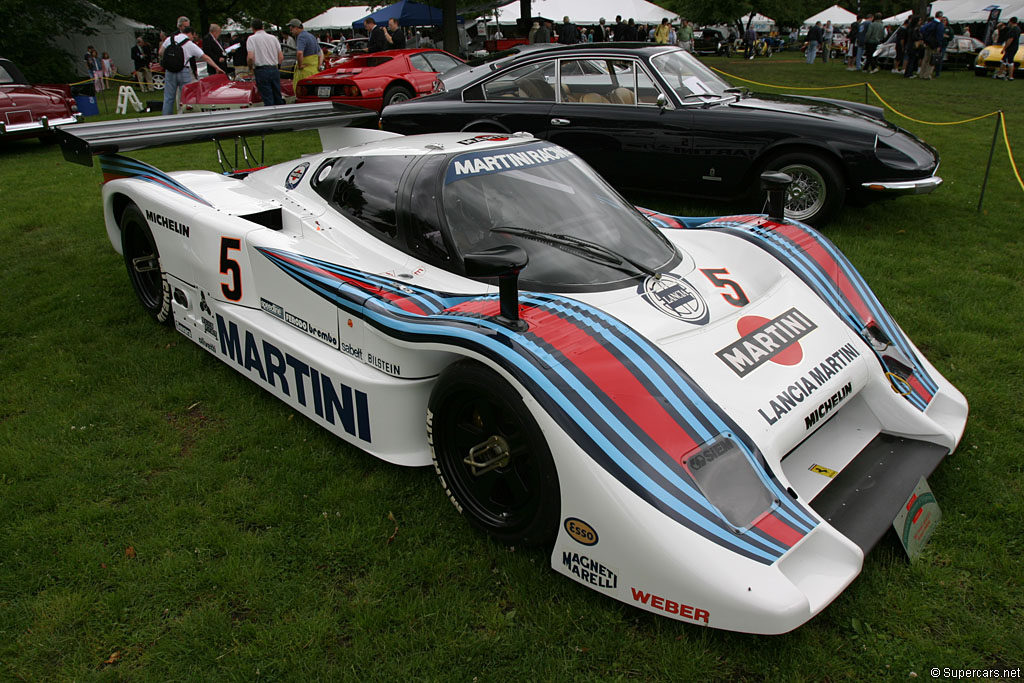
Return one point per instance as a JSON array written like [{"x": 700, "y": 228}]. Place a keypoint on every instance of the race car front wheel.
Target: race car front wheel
[
  {"x": 491, "y": 456},
  {"x": 142, "y": 259}
]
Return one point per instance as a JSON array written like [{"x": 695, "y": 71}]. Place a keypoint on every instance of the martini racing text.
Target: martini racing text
[
  {"x": 289, "y": 376},
  {"x": 795, "y": 393}
]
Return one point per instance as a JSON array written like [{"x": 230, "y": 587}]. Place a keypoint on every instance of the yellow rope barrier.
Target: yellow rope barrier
[
  {"x": 1002, "y": 117},
  {"x": 1006, "y": 139}
]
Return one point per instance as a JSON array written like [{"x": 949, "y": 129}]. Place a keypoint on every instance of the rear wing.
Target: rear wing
[{"x": 112, "y": 137}]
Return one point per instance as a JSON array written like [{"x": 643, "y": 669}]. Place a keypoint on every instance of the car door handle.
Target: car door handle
[{"x": 560, "y": 122}]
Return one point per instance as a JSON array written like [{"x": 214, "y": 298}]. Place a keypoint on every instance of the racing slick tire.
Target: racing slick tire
[
  {"x": 817, "y": 190},
  {"x": 396, "y": 94},
  {"x": 491, "y": 457},
  {"x": 142, "y": 260}
]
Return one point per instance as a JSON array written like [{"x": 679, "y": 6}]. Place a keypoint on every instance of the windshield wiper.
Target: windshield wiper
[
  {"x": 593, "y": 250},
  {"x": 742, "y": 91},
  {"x": 704, "y": 103}
]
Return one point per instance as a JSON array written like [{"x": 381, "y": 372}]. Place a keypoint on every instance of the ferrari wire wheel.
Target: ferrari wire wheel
[
  {"x": 816, "y": 190},
  {"x": 142, "y": 260},
  {"x": 491, "y": 456}
]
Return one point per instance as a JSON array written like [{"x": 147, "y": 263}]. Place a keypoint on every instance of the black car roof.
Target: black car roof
[{"x": 604, "y": 48}]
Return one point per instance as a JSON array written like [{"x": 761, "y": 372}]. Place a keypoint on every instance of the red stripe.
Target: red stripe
[
  {"x": 919, "y": 389},
  {"x": 487, "y": 307},
  {"x": 812, "y": 247},
  {"x": 779, "y": 530},
  {"x": 612, "y": 378}
]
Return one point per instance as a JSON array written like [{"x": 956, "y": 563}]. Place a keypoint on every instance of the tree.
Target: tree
[{"x": 27, "y": 40}]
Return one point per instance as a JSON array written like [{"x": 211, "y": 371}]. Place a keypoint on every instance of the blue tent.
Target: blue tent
[{"x": 407, "y": 12}]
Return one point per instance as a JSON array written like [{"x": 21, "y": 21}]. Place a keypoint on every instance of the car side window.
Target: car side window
[
  {"x": 440, "y": 62},
  {"x": 366, "y": 190},
  {"x": 530, "y": 82},
  {"x": 605, "y": 81},
  {"x": 420, "y": 63},
  {"x": 425, "y": 237}
]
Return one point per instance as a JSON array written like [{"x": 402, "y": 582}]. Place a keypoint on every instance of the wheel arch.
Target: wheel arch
[
  {"x": 485, "y": 126},
  {"x": 796, "y": 147}
]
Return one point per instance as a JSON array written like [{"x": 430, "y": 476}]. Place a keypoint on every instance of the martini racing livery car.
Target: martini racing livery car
[{"x": 710, "y": 419}]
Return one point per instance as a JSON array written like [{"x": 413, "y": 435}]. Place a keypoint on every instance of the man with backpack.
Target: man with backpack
[
  {"x": 175, "y": 52},
  {"x": 931, "y": 34}
]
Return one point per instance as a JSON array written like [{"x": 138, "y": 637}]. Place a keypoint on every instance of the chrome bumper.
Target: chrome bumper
[
  {"x": 920, "y": 186},
  {"x": 43, "y": 124}
]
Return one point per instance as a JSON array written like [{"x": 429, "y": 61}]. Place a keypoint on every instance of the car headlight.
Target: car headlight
[
  {"x": 728, "y": 480},
  {"x": 984, "y": 54},
  {"x": 902, "y": 152}
]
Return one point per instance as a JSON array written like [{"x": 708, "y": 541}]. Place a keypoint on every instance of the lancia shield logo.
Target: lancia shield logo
[
  {"x": 296, "y": 175},
  {"x": 676, "y": 297}
]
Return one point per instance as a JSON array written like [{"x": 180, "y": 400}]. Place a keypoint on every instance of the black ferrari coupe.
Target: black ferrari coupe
[{"x": 655, "y": 118}]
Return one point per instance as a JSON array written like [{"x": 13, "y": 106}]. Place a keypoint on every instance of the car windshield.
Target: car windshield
[
  {"x": 687, "y": 76},
  {"x": 5, "y": 76},
  {"x": 578, "y": 232}
]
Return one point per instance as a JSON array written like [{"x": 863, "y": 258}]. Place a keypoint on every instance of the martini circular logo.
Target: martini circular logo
[
  {"x": 674, "y": 296},
  {"x": 296, "y": 175},
  {"x": 764, "y": 340}
]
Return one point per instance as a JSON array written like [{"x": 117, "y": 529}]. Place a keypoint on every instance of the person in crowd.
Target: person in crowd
[
  {"x": 874, "y": 35},
  {"x": 947, "y": 38},
  {"x": 931, "y": 34},
  {"x": 377, "y": 42},
  {"x": 915, "y": 48},
  {"x": 264, "y": 59},
  {"x": 600, "y": 33},
  {"x": 108, "y": 68},
  {"x": 308, "y": 57},
  {"x": 631, "y": 31},
  {"x": 174, "y": 79},
  {"x": 141, "y": 58},
  {"x": 1011, "y": 43},
  {"x": 542, "y": 34},
  {"x": 862, "y": 40},
  {"x": 661, "y": 32},
  {"x": 750, "y": 41},
  {"x": 240, "y": 57},
  {"x": 213, "y": 47},
  {"x": 619, "y": 30},
  {"x": 814, "y": 38},
  {"x": 851, "y": 45},
  {"x": 901, "y": 47},
  {"x": 94, "y": 65},
  {"x": 394, "y": 35},
  {"x": 686, "y": 36},
  {"x": 533, "y": 31},
  {"x": 827, "y": 34},
  {"x": 568, "y": 34}
]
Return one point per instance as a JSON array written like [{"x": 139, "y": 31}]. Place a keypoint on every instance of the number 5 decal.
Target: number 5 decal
[
  {"x": 228, "y": 266},
  {"x": 738, "y": 297}
]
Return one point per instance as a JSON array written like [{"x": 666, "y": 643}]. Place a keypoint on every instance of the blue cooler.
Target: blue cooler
[{"x": 87, "y": 105}]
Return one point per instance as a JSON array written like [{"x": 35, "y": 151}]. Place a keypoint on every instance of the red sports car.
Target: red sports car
[
  {"x": 375, "y": 80},
  {"x": 220, "y": 92},
  {"x": 32, "y": 110}
]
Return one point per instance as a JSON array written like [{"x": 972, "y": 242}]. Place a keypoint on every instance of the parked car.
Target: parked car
[
  {"x": 990, "y": 56},
  {"x": 28, "y": 110},
  {"x": 961, "y": 51},
  {"x": 710, "y": 41},
  {"x": 624, "y": 389},
  {"x": 655, "y": 118},
  {"x": 221, "y": 92},
  {"x": 374, "y": 80}
]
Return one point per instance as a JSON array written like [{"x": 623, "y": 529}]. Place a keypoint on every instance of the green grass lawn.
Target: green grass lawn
[{"x": 161, "y": 518}]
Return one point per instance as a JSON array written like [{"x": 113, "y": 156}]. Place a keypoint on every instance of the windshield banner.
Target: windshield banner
[{"x": 504, "y": 159}]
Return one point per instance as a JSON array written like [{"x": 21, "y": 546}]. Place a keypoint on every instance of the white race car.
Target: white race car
[{"x": 710, "y": 419}]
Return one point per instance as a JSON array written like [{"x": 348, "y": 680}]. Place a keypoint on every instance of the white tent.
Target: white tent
[
  {"x": 967, "y": 11},
  {"x": 836, "y": 14},
  {"x": 337, "y": 18},
  {"x": 590, "y": 12},
  {"x": 897, "y": 19},
  {"x": 114, "y": 35},
  {"x": 760, "y": 23}
]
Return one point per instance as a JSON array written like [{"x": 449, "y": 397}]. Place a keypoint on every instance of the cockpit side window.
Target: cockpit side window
[{"x": 365, "y": 189}]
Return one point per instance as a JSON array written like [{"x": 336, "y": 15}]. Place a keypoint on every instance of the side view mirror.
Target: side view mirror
[
  {"x": 776, "y": 184},
  {"x": 662, "y": 101},
  {"x": 504, "y": 262}
]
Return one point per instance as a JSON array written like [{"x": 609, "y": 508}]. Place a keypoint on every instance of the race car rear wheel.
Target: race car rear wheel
[
  {"x": 817, "y": 190},
  {"x": 396, "y": 94},
  {"x": 491, "y": 456},
  {"x": 142, "y": 259}
]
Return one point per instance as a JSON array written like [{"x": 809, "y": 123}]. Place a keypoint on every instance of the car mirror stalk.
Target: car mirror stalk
[
  {"x": 776, "y": 184},
  {"x": 505, "y": 262}
]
